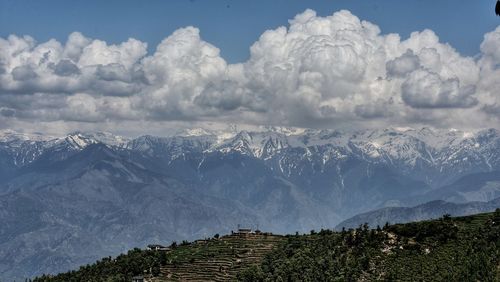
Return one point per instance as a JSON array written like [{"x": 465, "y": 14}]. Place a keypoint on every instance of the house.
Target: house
[
  {"x": 156, "y": 247},
  {"x": 244, "y": 230},
  {"x": 138, "y": 279}
]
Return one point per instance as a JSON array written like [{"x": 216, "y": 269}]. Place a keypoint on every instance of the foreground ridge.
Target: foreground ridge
[
  {"x": 445, "y": 249},
  {"x": 220, "y": 259}
]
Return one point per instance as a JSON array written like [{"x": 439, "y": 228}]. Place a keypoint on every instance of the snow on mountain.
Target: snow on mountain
[
  {"x": 256, "y": 144},
  {"x": 388, "y": 144},
  {"x": 405, "y": 148},
  {"x": 102, "y": 137},
  {"x": 190, "y": 132},
  {"x": 76, "y": 141},
  {"x": 8, "y": 136},
  {"x": 26, "y": 147},
  {"x": 171, "y": 147},
  {"x": 288, "y": 131}
]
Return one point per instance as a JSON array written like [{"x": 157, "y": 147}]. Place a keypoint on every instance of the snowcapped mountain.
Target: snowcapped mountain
[
  {"x": 25, "y": 148},
  {"x": 435, "y": 153},
  {"x": 113, "y": 193},
  {"x": 256, "y": 144},
  {"x": 435, "y": 156},
  {"x": 170, "y": 147}
]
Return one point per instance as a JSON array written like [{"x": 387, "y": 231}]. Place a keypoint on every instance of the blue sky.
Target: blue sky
[{"x": 232, "y": 25}]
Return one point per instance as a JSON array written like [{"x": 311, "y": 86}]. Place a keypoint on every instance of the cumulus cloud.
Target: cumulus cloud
[
  {"x": 424, "y": 89},
  {"x": 66, "y": 68},
  {"x": 180, "y": 69},
  {"x": 81, "y": 65},
  {"x": 317, "y": 71},
  {"x": 403, "y": 65},
  {"x": 489, "y": 47}
]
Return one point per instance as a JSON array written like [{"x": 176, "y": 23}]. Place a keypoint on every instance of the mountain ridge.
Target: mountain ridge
[{"x": 427, "y": 211}]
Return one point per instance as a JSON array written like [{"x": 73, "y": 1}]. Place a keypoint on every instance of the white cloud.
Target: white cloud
[
  {"x": 180, "y": 69},
  {"x": 100, "y": 53},
  {"x": 82, "y": 65},
  {"x": 425, "y": 89},
  {"x": 318, "y": 71},
  {"x": 403, "y": 65},
  {"x": 489, "y": 47}
]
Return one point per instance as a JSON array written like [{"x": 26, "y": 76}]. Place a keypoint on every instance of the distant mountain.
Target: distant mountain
[
  {"x": 481, "y": 186},
  {"x": 430, "y": 210},
  {"x": 110, "y": 193}
]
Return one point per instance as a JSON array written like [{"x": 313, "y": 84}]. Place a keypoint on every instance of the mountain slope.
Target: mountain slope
[
  {"x": 98, "y": 204},
  {"x": 430, "y": 210},
  {"x": 447, "y": 249}
]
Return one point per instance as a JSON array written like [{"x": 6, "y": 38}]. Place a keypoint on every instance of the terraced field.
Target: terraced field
[{"x": 217, "y": 259}]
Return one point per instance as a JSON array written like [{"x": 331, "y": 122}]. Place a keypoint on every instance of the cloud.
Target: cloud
[
  {"x": 6, "y": 112},
  {"x": 403, "y": 65},
  {"x": 66, "y": 68},
  {"x": 315, "y": 72},
  {"x": 23, "y": 73},
  {"x": 377, "y": 109},
  {"x": 81, "y": 65},
  {"x": 180, "y": 69},
  {"x": 489, "y": 84},
  {"x": 424, "y": 89},
  {"x": 100, "y": 53},
  {"x": 489, "y": 46}
]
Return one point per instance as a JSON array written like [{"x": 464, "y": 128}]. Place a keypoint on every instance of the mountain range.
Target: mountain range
[{"x": 69, "y": 200}]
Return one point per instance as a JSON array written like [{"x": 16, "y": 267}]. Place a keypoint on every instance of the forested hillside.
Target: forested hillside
[{"x": 446, "y": 249}]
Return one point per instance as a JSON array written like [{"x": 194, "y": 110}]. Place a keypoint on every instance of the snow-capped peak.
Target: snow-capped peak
[
  {"x": 194, "y": 132},
  {"x": 288, "y": 131},
  {"x": 106, "y": 138},
  {"x": 9, "y": 135},
  {"x": 402, "y": 146},
  {"x": 78, "y": 141}
]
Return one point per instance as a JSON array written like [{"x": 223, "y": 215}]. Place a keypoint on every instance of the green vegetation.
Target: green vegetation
[
  {"x": 216, "y": 259},
  {"x": 447, "y": 249},
  {"x": 122, "y": 268}
]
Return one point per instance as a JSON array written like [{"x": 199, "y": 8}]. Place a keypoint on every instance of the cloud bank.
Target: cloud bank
[{"x": 335, "y": 71}]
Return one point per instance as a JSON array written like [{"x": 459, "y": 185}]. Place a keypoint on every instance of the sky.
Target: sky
[
  {"x": 233, "y": 26},
  {"x": 138, "y": 67}
]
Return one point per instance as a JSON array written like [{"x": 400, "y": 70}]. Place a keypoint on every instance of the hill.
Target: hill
[
  {"x": 430, "y": 210},
  {"x": 445, "y": 249}
]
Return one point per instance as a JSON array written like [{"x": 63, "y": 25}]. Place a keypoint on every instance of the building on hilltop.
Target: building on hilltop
[
  {"x": 244, "y": 230},
  {"x": 249, "y": 232},
  {"x": 201, "y": 241},
  {"x": 156, "y": 247}
]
